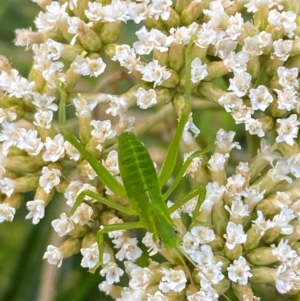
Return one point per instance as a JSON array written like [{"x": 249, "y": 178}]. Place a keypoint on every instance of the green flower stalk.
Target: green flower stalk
[{"x": 231, "y": 227}]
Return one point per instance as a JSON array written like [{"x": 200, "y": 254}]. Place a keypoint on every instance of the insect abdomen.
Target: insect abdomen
[
  {"x": 137, "y": 170},
  {"x": 142, "y": 188}
]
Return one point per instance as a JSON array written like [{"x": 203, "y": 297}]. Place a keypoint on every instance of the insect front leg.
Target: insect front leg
[
  {"x": 183, "y": 170},
  {"x": 112, "y": 228},
  {"x": 100, "y": 199},
  {"x": 170, "y": 161},
  {"x": 106, "y": 177},
  {"x": 199, "y": 191}
]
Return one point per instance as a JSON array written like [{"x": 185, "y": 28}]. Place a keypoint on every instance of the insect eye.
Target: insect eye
[
  {"x": 159, "y": 244},
  {"x": 177, "y": 232}
]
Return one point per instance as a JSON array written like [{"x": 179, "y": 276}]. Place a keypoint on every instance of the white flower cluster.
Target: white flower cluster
[{"x": 241, "y": 232}]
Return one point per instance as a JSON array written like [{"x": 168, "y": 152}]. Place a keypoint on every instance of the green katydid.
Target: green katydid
[{"x": 142, "y": 186}]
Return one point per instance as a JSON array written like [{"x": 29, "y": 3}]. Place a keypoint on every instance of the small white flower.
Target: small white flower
[
  {"x": 49, "y": 178},
  {"x": 239, "y": 271},
  {"x": 102, "y": 131},
  {"x": 288, "y": 129},
  {"x": 150, "y": 244},
  {"x": 128, "y": 248},
  {"x": 234, "y": 235},
  {"x": 260, "y": 98},
  {"x": 145, "y": 99},
  {"x": 54, "y": 148},
  {"x": 203, "y": 234},
  {"x": 198, "y": 70},
  {"x": 240, "y": 83},
  {"x": 63, "y": 225},
  {"x": 158, "y": 296},
  {"x": 37, "y": 210},
  {"x": 112, "y": 272},
  {"x": 31, "y": 143},
  {"x": 53, "y": 255},
  {"x": 10, "y": 136},
  {"x": 141, "y": 277},
  {"x": 283, "y": 251},
  {"x": 71, "y": 151},
  {"x": 190, "y": 243},
  {"x": 111, "y": 163},
  {"x": 43, "y": 119},
  {"x": 7, "y": 213},
  {"x": 90, "y": 256},
  {"x": 224, "y": 141},
  {"x": 82, "y": 214},
  {"x": 84, "y": 108},
  {"x": 7, "y": 186},
  {"x": 87, "y": 66},
  {"x": 172, "y": 280},
  {"x": 155, "y": 73},
  {"x": 44, "y": 102}
]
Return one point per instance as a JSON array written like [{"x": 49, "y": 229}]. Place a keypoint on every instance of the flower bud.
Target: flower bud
[
  {"x": 173, "y": 20},
  {"x": 176, "y": 57},
  {"x": 224, "y": 260},
  {"x": 41, "y": 195},
  {"x": 161, "y": 57},
  {"x": 191, "y": 12},
  {"x": 210, "y": 91},
  {"x": 223, "y": 286},
  {"x": 180, "y": 5},
  {"x": 70, "y": 247},
  {"x": 37, "y": 77},
  {"x": 26, "y": 183},
  {"x": 235, "y": 253},
  {"x": 152, "y": 23},
  {"x": 219, "y": 217},
  {"x": 288, "y": 150},
  {"x": 217, "y": 244},
  {"x": 261, "y": 256},
  {"x": 253, "y": 238},
  {"x": 216, "y": 69},
  {"x": 254, "y": 67},
  {"x": 270, "y": 236},
  {"x": 172, "y": 81},
  {"x": 163, "y": 95},
  {"x": 88, "y": 239},
  {"x": 22, "y": 164},
  {"x": 110, "y": 32},
  {"x": 15, "y": 200},
  {"x": 294, "y": 236},
  {"x": 260, "y": 17},
  {"x": 174, "y": 296},
  {"x": 79, "y": 9},
  {"x": 89, "y": 39},
  {"x": 262, "y": 275},
  {"x": 293, "y": 62},
  {"x": 243, "y": 292},
  {"x": 72, "y": 79}
]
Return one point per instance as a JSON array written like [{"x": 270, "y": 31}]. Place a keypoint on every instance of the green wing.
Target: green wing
[{"x": 142, "y": 188}]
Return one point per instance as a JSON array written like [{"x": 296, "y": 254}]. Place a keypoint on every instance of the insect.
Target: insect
[{"x": 142, "y": 186}]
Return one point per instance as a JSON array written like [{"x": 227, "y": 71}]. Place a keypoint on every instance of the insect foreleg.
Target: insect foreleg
[
  {"x": 197, "y": 191},
  {"x": 103, "y": 174},
  {"x": 100, "y": 199},
  {"x": 170, "y": 161},
  {"x": 111, "y": 228},
  {"x": 182, "y": 171}
]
